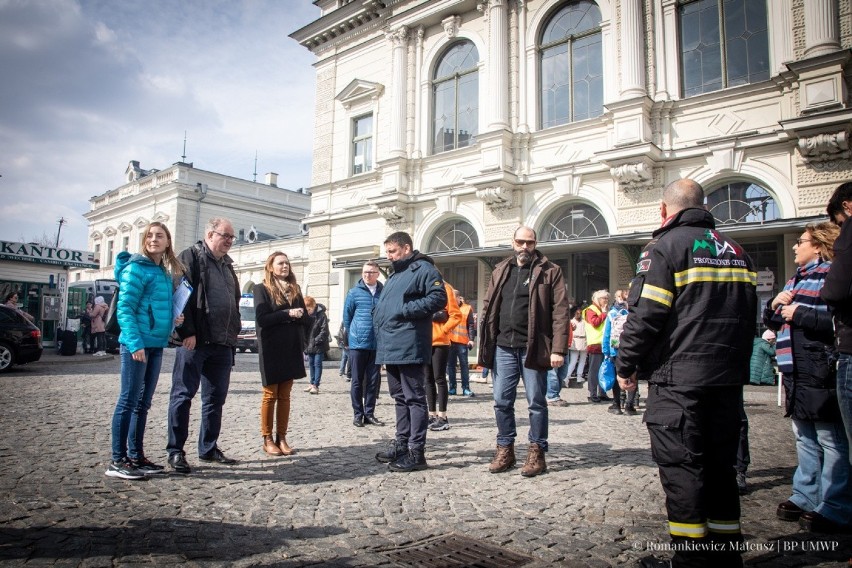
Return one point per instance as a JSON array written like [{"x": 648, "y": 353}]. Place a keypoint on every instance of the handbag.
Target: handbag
[{"x": 606, "y": 375}]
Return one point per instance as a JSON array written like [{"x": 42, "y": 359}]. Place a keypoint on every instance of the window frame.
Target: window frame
[
  {"x": 369, "y": 162},
  {"x": 456, "y": 77},
  {"x": 569, "y": 40},
  {"x": 723, "y": 39}
]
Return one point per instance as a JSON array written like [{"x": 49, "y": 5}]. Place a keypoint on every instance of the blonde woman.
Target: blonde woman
[
  {"x": 145, "y": 316},
  {"x": 281, "y": 318}
]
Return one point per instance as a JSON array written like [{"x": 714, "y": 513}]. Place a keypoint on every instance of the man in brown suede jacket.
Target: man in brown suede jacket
[{"x": 524, "y": 332}]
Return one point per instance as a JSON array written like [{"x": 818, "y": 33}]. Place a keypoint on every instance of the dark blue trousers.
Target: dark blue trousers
[
  {"x": 406, "y": 384},
  {"x": 365, "y": 381},
  {"x": 208, "y": 366}
]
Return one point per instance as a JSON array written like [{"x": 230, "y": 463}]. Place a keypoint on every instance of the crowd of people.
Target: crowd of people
[{"x": 687, "y": 324}]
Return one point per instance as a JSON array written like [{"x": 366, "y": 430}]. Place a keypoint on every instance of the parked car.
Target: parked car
[
  {"x": 247, "y": 338},
  {"x": 20, "y": 340}
]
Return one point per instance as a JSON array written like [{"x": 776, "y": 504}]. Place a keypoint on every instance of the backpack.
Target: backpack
[
  {"x": 111, "y": 321},
  {"x": 615, "y": 329}
]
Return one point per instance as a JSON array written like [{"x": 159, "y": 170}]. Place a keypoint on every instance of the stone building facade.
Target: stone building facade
[
  {"x": 458, "y": 120},
  {"x": 265, "y": 217}
]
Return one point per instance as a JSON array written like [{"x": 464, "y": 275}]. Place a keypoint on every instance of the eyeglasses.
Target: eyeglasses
[
  {"x": 800, "y": 241},
  {"x": 522, "y": 242},
  {"x": 370, "y": 272},
  {"x": 226, "y": 236}
]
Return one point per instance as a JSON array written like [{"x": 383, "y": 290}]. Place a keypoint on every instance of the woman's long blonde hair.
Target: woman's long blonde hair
[
  {"x": 171, "y": 262},
  {"x": 286, "y": 290}
]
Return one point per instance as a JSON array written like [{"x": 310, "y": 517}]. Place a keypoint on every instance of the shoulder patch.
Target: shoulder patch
[{"x": 643, "y": 265}]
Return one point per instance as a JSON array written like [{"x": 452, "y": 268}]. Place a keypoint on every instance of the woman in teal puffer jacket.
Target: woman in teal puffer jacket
[{"x": 144, "y": 313}]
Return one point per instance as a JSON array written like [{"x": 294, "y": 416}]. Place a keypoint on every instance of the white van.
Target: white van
[{"x": 247, "y": 339}]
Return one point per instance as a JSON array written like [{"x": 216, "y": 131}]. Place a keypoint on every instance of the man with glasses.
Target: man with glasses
[
  {"x": 837, "y": 293},
  {"x": 209, "y": 334},
  {"x": 358, "y": 323},
  {"x": 524, "y": 333}
]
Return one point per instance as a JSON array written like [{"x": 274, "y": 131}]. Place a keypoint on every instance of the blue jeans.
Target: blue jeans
[
  {"x": 555, "y": 378},
  {"x": 209, "y": 367},
  {"x": 458, "y": 356},
  {"x": 315, "y": 366},
  {"x": 844, "y": 394},
  {"x": 821, "y": 482},
  {"x": 508, "y": 371},
  {"x": 138, "y": 382},
  {"x": 345, "y": 368}
]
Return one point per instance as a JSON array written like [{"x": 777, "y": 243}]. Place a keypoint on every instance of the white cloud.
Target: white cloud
[{"x": 91, "y": 84}]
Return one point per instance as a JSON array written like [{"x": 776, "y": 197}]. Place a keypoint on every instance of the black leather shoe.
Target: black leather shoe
[
  {"x": 218, "y": 456},
  {"x": 788, "y": 511},
  {"x": 816, "y": 523},
  {"x": 177, "y": 461},
  {"x": 604, "y": 398},
  {"x": 359, "y": 421},
  {"x": 394, "y": 451},
  {"x": 414, "y": 460},
  {"x": 654, "y": 562},
  {"x": 373, "y": 420}
]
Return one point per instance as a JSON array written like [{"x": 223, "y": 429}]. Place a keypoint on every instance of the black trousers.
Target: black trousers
[{"x": 695, "y": 433}]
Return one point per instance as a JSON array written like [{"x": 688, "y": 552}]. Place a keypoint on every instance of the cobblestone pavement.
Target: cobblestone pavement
[{"x": 332, "y": 504}]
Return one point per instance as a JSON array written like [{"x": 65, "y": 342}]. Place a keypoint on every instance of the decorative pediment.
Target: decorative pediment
[
  {"x": 96, "y": 236},
  {"x": 141, "y": 222},
  {"x": 110, "y": 232},
  {"x": 160, "y": 216},
  {"x": 125, "y": 227},
  {"x": 359, "y": 91}
]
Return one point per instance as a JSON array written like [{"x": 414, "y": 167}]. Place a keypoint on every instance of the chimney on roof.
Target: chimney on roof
[{"x": 272, "y": 179}]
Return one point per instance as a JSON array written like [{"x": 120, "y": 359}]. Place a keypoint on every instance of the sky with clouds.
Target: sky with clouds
[{"x": 88, "y": 85}]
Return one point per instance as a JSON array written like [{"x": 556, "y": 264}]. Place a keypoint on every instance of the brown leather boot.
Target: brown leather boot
[
  {"x": 269, "y": 447},
  {"x": 503, "y": 460},
  {"x": 281, "y": 442},
  {"x": 535, "y": 462}
]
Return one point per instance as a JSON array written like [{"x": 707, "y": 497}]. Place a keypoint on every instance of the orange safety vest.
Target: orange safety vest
[{"x": 459, "y": 333}]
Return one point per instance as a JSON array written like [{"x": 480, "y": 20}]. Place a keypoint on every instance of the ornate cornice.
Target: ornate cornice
[
  {"x": 824, "y": 151},
  {"x": 451, "y": 26},
  {"x": 497, "y": 198},
  {"x": 350, "y": 17},
  {"x": 633, "y": 177}
]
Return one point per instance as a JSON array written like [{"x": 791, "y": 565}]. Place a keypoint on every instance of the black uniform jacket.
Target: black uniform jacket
[{"x": 693, "y": 307}]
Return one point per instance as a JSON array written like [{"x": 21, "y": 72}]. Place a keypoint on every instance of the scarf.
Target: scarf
[{"x": 805, "y": 286}]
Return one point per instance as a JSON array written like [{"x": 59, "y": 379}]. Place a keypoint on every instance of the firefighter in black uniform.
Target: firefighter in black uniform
[{"x": 692, "y": 321}]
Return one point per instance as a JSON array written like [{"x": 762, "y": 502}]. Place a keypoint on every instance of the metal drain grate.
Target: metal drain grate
[{"x": 456, "y": 551}]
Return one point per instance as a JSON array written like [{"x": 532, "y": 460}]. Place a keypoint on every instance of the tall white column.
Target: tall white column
[
  {"x": 632, "y": 50},
  {"x": 498, "y": 68},
  {"x": 399, "y": 40},
  {"x": 821, "y": 33}
]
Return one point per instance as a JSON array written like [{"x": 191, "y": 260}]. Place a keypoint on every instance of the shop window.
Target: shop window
[
  {"x": 741, "y": 202},
  {"x": 571, "y": 65}
]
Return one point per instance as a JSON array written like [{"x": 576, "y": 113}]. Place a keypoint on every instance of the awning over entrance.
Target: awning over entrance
[{"x": 493, "y": 255}]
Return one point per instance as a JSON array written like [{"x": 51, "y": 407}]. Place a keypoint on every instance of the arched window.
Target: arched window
[
  {"x": 573, "y": 221},
  {"x": 723, "y": 43},
  {"x": 571, "y": 65},
  {"x": 741, "y": 202},
  {"x": 455, "y": 98},
  {"x": 453, "y": 235}
]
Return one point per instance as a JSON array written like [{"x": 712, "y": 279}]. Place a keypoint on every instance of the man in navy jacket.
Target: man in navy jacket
[{"x": 402, "y": 320}]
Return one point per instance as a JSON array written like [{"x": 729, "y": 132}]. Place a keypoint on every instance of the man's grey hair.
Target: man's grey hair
[{"x": 214, "y": 223}]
